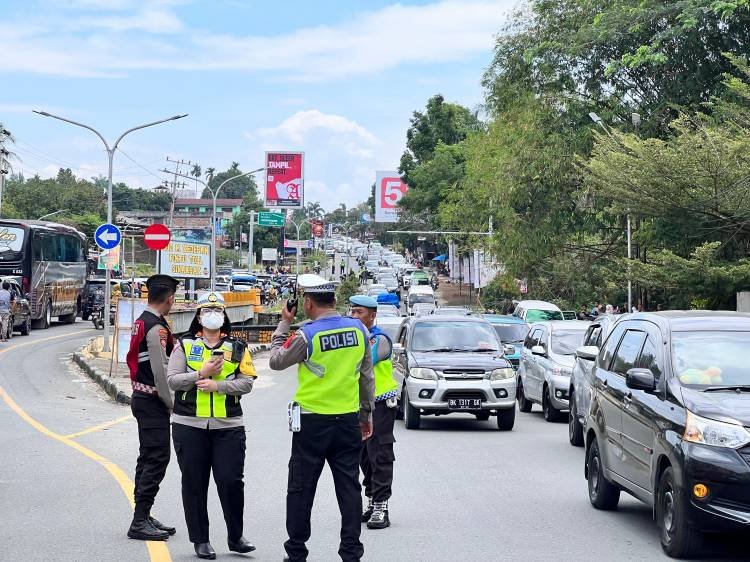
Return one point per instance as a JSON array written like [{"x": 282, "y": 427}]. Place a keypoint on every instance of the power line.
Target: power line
[{"x": 139, "y": 165}]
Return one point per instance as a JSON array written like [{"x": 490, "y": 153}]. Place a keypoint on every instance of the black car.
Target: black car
[
  {"x": 20, "y": 310},
  {"x": 453, "y": 364},
  {"x": 668, "y": 423}
]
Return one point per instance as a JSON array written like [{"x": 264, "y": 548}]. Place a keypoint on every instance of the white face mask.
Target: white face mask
[{"x": 212, "y": 320}]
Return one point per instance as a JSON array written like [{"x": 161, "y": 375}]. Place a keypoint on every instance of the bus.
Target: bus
[{"x": 49, "y": 262}]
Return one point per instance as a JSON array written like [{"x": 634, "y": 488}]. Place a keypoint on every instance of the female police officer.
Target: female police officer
[{"x": 209, "y": 372}]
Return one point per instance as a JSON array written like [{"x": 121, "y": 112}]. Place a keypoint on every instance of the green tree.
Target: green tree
[{"x": 235, "y": 189}]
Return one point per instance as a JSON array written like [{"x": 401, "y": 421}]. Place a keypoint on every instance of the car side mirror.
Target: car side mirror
[
  {"x": 538, "y": 350},
  {"x": 640, "y": 379},
  {"x": 587, "y": 352},
  {"x": 509, "y": 350}
]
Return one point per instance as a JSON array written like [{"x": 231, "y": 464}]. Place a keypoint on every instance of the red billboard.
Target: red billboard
[{"x": 285, "y": 179}]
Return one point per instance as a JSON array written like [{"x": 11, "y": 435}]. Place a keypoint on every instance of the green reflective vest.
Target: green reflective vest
[
  {"x": 207, "y": 404},
  {"x": 328, "y": 381},
  {"x": 384, "y": 381}
]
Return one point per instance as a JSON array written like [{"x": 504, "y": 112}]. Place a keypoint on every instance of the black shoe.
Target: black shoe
[
  {"x": 242, "y": 546},
  {"x": 379, "y": 519},
  {"x": 143, "y": 530},
  {"x": 205, "y": 550},
  {"x": 162, "y": 527},
  {"x": 367, "y": 513}
]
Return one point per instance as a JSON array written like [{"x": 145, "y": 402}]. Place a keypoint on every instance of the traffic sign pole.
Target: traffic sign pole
[{"x": 250, "y": 253}]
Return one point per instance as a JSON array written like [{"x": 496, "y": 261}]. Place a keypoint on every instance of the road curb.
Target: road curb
[{"x": 108, "y": 385}]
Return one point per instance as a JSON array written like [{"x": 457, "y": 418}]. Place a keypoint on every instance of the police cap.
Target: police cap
[
  {"x": 363, "y": 300},
  {"x": 312, "y": 283},
  {"x": 161, "y": 280}
]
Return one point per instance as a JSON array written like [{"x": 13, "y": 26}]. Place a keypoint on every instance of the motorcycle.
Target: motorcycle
[{"x": 97, "y": 316}]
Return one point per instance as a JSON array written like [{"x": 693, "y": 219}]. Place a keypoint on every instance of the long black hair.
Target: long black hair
[{"x": 196, "y": 326}]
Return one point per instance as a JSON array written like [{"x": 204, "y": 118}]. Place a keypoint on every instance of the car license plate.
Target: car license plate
[{"x": 465, "y": 403}]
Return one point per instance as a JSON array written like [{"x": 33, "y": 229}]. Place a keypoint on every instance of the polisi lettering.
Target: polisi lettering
[{"x": 338, "y": 341}]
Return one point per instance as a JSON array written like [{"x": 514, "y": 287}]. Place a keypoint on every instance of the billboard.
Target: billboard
[
  {"x": 389, "y": 189},
  {"x": 285, "y": 179},
  {"x": 186, "y": 260}
]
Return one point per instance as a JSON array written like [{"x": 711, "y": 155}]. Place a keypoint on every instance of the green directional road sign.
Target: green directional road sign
[{"x": 270, "y": 219}]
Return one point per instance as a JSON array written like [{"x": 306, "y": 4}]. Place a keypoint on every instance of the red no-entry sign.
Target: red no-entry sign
[{"x": 157, "y": 237}]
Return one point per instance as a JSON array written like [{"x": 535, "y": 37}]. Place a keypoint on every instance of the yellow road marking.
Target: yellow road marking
[
  {"x": 157, "y": 550},
  {"x": 94, "y": 428}
]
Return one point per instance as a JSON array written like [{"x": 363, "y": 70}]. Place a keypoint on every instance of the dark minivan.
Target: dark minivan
[{"x": 668, "y": 422}]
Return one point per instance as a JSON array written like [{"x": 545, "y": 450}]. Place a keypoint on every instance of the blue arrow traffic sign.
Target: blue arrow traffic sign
[{"x": 107, "y": 236}]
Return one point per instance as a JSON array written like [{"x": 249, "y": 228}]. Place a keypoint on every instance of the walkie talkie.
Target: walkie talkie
[{"x": 291, "y": 304}]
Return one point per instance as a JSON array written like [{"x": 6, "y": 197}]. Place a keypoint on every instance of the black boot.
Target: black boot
[
  {"x": 143, "y": 530},
  {"x": 162, "y": 527},
  {"x": 242, "y": 546},
  {"x": 205, "y": 550},
  {"x": 367, "y": 513}
]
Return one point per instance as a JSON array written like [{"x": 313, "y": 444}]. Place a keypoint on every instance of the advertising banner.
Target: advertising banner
[
  {"x": 186, "y": 260},
  {"x": 285, "y": 179},
  {"x": 109, "y": 259},
  {"x": 389, "y": 189},
  {"x": 268, "y": 254}
]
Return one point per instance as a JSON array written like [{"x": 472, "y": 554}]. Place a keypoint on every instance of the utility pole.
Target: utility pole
[
  {"x": 250, "y": 253},
  {"x": 4, "y": 163},
  {"x": 175, "y": 183}
]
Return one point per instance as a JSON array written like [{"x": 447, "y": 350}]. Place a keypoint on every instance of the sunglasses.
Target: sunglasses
[{"x": 212, "y": 309}]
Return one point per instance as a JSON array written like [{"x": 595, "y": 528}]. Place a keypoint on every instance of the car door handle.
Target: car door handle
[
  {"x": 627, "y": 399},
  {"x": 604, "y": 383}
]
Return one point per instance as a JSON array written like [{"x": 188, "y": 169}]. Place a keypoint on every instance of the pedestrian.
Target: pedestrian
[
  {"x": 377, "y": 455},
  {"x": 333, "y": 267},
  {"x": 209, "y": 372},
  {"x": 342, "y": 267},
  {"x": 6, "y": 300},
  {"x": 150, "y": 346},
  {"x": 595, "y": 310},
  {"x": 334, "y": 396},
  {"x": 608, "y": 309}
]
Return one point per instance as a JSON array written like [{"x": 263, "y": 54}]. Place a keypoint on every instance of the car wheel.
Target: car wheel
[
  {"x": 523, "y": 404},
  {"x": 44, "y": 322},
  {"x": 483, "y": 416},
  {"x": 551, "y": 414},
  {"x": 575, "y": 429},
  {"x": 412, "y": 415},
  {"x": 506, "y": 418},
  {"x": 68, "y": 318},
  {"x": 26, "y": 326},
  {"x": 400, "y": 406},
  {"x": 678, "y": 538},
  {"x": 602, "y": 493}
]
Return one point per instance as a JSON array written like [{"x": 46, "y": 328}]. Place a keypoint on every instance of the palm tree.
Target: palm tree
[
  {"x": 314, "y": 210},
  {"x": 210, "y": 173},
  {"x": 196, "y": 173}
]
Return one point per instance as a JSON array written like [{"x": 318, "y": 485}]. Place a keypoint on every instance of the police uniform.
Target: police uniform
[
  {"x": 335, "y": 392},
  {"x": 150, "y": 345},
  {"x": 377, "y": 452},
  {"x": 208, "y": 430}
]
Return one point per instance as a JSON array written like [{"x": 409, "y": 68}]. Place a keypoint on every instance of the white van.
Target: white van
[
  {"x": 537, "y": 311},
  {"x": 419, "y": 294}
]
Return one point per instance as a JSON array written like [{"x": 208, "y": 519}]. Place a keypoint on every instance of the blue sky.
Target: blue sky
[{"x": 337, "y": 79}]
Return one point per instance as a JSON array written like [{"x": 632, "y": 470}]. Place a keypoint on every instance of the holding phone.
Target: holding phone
[{"x": 291, "y": 304}]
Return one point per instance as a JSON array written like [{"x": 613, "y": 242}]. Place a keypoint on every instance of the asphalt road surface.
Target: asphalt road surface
[{"x": 463, "y": 490}]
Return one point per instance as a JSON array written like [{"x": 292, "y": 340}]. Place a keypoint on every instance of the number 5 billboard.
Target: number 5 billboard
[
  {"x": 285, "y": 173},
  {"x": 389, "y": 189}
]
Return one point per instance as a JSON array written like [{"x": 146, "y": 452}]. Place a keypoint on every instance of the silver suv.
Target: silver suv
[
  {"x": 453, "y": 364},
  {"x": 546, "y": 365}
]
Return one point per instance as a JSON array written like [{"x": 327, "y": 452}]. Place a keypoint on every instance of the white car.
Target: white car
[{"x": 537, "y": 311}]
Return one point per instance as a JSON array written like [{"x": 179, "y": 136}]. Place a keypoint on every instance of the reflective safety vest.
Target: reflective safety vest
[
  {"x": 384, "y": 381},
  {"x": 207, "y": 404},
  {"x": 328, "y": 381}
]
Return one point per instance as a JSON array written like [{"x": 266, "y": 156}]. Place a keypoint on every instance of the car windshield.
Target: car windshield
[
  {"x": 542, "y": 315},
  {"x": 453, "y": 336},
  {"x": 376, "y": 292},
  {"x": 414, "y": 299},
  {"x": 387, "y": 311},
  {"x": 711, "y": 358},
  {"x": 391, "y": 330},
  {"x": 511, "y": 333},
  {"x": 566, "y": 343},
  {"x": 452, "y": 311}
]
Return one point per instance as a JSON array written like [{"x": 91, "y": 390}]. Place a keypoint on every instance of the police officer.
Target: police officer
[
  {"x": 209, "y": 372},
  {"x": 377, "y": 452},
  {"x": 150, "y": 346},
  {"x": 335, "y": 393}
]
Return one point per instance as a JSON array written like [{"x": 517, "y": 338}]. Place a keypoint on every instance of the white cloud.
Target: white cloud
[
  {"x": 370, "y": 42},
  {"x": 340, "y": 154}
]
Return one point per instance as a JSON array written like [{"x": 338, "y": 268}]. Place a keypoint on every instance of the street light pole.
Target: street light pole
[
  {"x": 110, "y": 158},
  {"x": 599, "y": 121},
  {"x": 51, "y": 214},
  {"x": 215, "y": 194}
]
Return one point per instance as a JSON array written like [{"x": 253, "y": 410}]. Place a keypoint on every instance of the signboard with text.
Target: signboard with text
[
  {"x": 285, "y": 179},
  {"x": 271, "y": 219},
  {"x": 186, "y": 260},
  {"x": 389, "y": 189},
  {"x": 268, "y": 254},
  {"x": 298, "y": 243}
]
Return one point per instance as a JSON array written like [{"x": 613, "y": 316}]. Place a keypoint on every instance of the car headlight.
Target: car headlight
[
  {"x": 502, "y": 374},
  {"x": 422, "y": 373},
  {"x": 716, "y": 433},
  {"x": 564, "y": 371}
]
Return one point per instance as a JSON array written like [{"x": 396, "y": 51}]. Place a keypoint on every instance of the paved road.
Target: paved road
[{"x": 463, "y": 490}]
